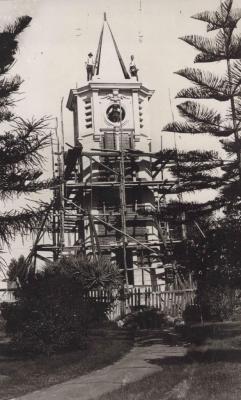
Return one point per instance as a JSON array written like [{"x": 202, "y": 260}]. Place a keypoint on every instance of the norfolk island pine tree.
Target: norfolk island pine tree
[
  {"x": 198, "y": 170},
  {"x": 21, "y": 142}
]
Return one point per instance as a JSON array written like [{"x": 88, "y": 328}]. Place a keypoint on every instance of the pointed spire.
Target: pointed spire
[{"x": 109, "y": 64}]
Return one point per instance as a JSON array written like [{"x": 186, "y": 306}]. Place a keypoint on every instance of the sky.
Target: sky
[{"x": 53, "y": 50}]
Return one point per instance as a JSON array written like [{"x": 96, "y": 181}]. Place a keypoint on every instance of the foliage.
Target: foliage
[
  {"x": 214, "y": 302},
  {"x": 224, "y": 47},
  {"x": 53, "y": 310},
  {"x": 192, "y": 313},
  {"x": 217, "y": 302},
  {"x": 21, "y": 142},
  {"x": 143, "y": 318},
  {"x": 54, "y": 324},
  {"x": 214, "y": 259},
  {"x": 18, "y": 270},
  {"x": 90, "y": 274}
]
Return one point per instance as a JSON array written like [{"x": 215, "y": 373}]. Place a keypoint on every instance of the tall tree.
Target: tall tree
[
  {"x": 224, "y": 47},
  {"x": 21, "y": 141}
]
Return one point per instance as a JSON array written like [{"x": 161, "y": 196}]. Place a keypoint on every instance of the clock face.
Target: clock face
[{"x": 115, "y": 113}]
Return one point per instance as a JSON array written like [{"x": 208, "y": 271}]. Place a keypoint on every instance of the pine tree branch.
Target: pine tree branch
[
  {"x": 9, "y": 86},
  {"x": 203, "y": 93},
  {"x": 195, "y": 112},
  {"x": 194, "y": 128},
  {"x": 193, "y": 168},
  {"x": 225, "y": 17},
  {"x": 210, "y": 51},
  {"x": 18, "y": 26},
  {"x": 12, "y": 222},
  {"x": 9, "y": 44},
  {"x": 231, "y": 146},
  {"x": 231, "y": 191},
  {"x": 197, "y": 156},
  {"x": 24, "y": 143},
  {"x": 22, "y": 182},
  {"x": 204, "y": 79}
]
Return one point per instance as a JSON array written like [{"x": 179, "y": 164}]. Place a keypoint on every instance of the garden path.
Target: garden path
[{"x": 137, "y": 364}]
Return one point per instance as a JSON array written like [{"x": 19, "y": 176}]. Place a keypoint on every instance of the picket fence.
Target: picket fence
[{"x": 171, "y": 302}]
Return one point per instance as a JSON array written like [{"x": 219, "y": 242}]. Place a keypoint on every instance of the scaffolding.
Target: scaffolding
[{"x": 98, "y": 210}]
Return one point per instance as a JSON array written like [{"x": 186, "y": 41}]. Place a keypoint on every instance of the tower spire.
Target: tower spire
[{"x": 109, "y": 64}]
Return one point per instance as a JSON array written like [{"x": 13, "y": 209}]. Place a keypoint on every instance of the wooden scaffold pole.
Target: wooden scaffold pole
[{"x": 123, "y": 199}]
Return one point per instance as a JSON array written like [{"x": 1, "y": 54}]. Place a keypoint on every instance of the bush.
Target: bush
[
  {"x": 50, "y": 329},
  {"x": 144, "y": 319},
  {"x": 192, "y": 313},
  {"x": 217, "y": 303},
  {"x": 52, "y": 311}
]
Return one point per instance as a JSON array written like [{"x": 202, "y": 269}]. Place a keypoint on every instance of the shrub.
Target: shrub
[
  {"x": 51, "y": 328},
  {"x": 52, "y": 311},
  {"x": 217, "y": 303},
  {"x": 192, "y": 313},
  {"x": 144, "y": 319}
]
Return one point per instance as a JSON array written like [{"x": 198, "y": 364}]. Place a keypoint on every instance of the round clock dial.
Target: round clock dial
[{"x": 115, "y": 113}]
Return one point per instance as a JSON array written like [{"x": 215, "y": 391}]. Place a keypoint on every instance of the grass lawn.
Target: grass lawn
[
  {"x": 20, "y": 375},
  {"x": 211, "y": 370}
]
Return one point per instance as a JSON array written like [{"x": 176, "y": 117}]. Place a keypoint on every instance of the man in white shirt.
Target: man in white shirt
[
  {"x": 133, "y": 69},
  {"x": 90, "y": 66}
]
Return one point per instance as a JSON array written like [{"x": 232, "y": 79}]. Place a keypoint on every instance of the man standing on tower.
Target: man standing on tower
[
  {"x": 133, "y": 69},
  {"x": 90, "y": 66}
]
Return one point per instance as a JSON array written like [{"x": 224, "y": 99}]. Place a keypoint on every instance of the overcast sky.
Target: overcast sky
[{"x": 53, "y": 51}]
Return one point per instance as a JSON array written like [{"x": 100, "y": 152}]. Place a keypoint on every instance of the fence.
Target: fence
[
  {"x": 170, "y": 302},
  {"x": 6, "y": 295}
]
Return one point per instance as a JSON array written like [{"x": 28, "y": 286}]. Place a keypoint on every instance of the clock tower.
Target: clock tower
[
  {"x": 110, "y": 114},
  {"x": 111, "y": 97}
]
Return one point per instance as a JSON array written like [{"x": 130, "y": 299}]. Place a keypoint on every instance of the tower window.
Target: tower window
[{"x": 109, "y": 141}]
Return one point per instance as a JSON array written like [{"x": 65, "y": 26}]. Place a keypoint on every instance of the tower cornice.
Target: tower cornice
[{"x": 99, "y": 86}]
